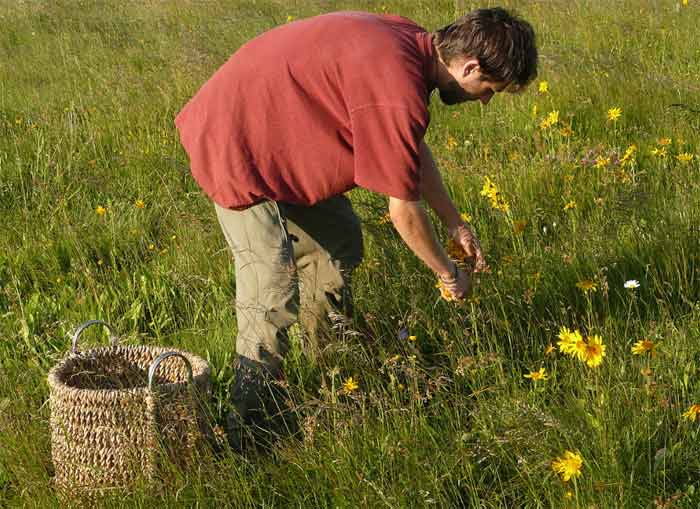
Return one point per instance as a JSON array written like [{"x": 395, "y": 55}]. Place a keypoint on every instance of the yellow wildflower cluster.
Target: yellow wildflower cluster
[
  {"x": 628, "y": 156},
  {"x": 572, "y": 344},
  {"x": 492, "y": 193},
  {"x": 537, "y": 375},
  {"x": 550, "y": 120}
]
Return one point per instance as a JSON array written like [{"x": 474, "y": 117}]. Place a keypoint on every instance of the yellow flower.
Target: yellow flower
[
  {"x": 451, "y": 143},
  {"x": 570, "y": 205},
  {"x": 456, "y": 251},
  {"x": 350, "y": 385},
  {"x": 571, "y": 343},
  {"x": 489, "y": 190},
  {"x": 151, "y": 247},
  {"x": 290, "y": 18},
  {"x": 644, "y": 346},
  {"x": 665, "y": 141},
  {"x": 466, "y": 217},
  {"x": 140, "y": 204},
  {"x": 602, "y": 162},
  {"x": 566, "y": 131},
  {"x": 628, "y": 155},
  {"x": 595, "y": 351},
  {"x": 550, "y": 348},
  {"x": 692, "y": 413},
  {"x": 568, "y": 465},
  {"x": 553, "y": 117},
  {"x": 586, "y": 285},
  {"x": 100, "y": 210},
  {"x": 685, "y": 157},
  {"x": 534, "y": 111},
  {"x": 544, "y": 87},
  {"x": 614, "y": 114},
  {"x": 658, "y": 152},
  {"x": 411, "y": 338},
  {"x": 519, "y": 226},
  {"x": 537, "y": 375}
]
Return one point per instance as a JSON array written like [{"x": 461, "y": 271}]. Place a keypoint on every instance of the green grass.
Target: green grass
[{"x": 88, "y": 93}]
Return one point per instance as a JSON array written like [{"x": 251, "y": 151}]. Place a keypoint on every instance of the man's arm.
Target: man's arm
[{"x": 433, "y": 190}]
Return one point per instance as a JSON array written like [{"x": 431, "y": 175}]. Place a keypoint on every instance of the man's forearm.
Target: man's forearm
[
  {"x": 433, "y": 189},
  {"x": 415, "y": 228}
]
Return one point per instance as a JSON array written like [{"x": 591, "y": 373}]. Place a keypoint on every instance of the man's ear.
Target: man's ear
[{"x": 470, "y": 65}]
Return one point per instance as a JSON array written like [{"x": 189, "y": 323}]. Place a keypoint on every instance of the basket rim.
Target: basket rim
[{"x": 200, "y": 370}]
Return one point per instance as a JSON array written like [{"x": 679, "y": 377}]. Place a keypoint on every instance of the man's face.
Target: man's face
[{"x": 464, "y": 81}]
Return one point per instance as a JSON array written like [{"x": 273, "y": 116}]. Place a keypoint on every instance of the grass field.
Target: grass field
[{"x": 101, "y": 219}]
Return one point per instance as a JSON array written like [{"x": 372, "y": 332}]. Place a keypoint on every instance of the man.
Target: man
[{"x": 305, "y": 112}]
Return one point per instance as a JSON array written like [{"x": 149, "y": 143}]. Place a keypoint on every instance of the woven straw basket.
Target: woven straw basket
[{"x": 117, "y": 411}]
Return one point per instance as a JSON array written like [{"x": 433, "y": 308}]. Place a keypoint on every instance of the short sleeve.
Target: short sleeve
[{"x": 386, "y": 141}]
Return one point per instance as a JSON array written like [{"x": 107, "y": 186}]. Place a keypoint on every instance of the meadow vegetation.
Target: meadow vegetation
[{"x": 588, "y": 180}]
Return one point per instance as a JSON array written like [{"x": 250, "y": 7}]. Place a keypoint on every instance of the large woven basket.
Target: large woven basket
[{"x": 118, "y": 411}]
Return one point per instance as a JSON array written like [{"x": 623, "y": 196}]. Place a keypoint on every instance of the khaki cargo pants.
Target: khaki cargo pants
[{"x": 292, "y": 262}]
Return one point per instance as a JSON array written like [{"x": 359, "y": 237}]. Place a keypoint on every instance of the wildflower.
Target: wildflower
[
  {"x": 568, "y": 465},
  {"x": 628, "y": 155},
  {"x": 664, "y": 141},
  {"x": 631, "y": 284},
  {"x": 411, "y": 338},
  {"x": 519, "y": 226},
  {"x": 456, "y": 251},
  {"x": 570, "y": 205},
  {"x": 451, "y": 143},
  {"x": 350, "y": 385},
  {"x": 571, "y": 343},
  {"x": 537, "y": 375},
  {"x": 543, "y": 87},
  {"x": 140, "y": 204},
  {"x": 602, "y": 162},
  {"x": 692, "y": 413},
  {"x": 658, "y": 152},
  {"x": 550, "y": 348},
  {"x": 553, "y": 117},
  {"x": 466, "y": 217},
  {"x": 643, "y": 346},
  {"x": 595, "y": 351},
  {"x": 151, "y": 247},
  {"x": 100, "y": 210},
  {"x": 685, "y": 157},
  {"x": 586, "y": 285},
  {"x": 566, "y": 131},
  {"x": 534, "y": 110},
  {"x": 614, "y": 114},
  {"x": 290, "y": 18},
  {"x": 492, "y": 193}
]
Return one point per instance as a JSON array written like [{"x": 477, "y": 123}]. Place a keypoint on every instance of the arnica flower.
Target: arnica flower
[
  {"x": 537, "y": 375},
  {"x": 568, "y": 465},
  {"x": 543, "y": 87},
  {"x": 692, "y": 413},
  {"x": 643, "y": 346},
  {"x": 595, "y": 351},
  {"x": 350, "y": 385},
  {"x": 665, "y": 141},
  {"x": 658, "y": 152},
  {"x": 551, "y": 119},
  {"x": 685, "y": 157},
  {"x": 601, "y": 162},
  {"x": 631, "y": 284},
  {"x": 493, "y": 194},
  {"x": 628, "y": 155},
  {"x": 290, "y": 18},
  {"x": 566, "y": 131},
  {"x": 466, "y": 217},
  {"x": 570, "y": 205},
  {"x": 100, "y": 210},
  {"x": 451, "y": 143},
  {"x": 614, "y": 114},
  {"x": 140, "y": 204},
  {"x": 586, "y": 285},
  {"x": 571, "y": 343},
  {"x": 550, "y": 349}
]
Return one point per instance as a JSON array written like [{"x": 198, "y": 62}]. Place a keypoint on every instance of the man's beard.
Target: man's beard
[{"x": 452, "y": 93}]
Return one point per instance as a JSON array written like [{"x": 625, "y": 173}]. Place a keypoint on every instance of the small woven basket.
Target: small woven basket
[{"x": 117, "y": 411}]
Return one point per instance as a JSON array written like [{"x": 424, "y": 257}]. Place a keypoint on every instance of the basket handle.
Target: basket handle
[
  {"x": 156, "y": 362},
  {"x": 112, "y": 336}
]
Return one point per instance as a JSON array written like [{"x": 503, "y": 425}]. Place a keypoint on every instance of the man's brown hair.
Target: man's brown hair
[{"x": 503, "y": 44}]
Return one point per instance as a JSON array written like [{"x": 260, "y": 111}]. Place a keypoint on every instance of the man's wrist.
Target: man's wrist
[{"x": 450, "y": 275}]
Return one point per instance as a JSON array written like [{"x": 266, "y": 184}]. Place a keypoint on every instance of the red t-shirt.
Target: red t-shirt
[{"x": 313, "y": 108}]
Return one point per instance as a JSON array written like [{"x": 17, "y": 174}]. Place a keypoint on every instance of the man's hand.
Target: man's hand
[
  {"x": 457, "y": 286},
  {"x": 463, "y": 234}
]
